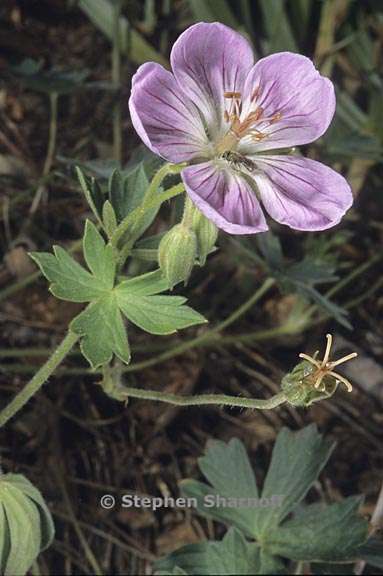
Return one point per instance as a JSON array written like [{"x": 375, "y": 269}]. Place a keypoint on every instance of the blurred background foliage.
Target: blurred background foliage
[{"x": 65, "y": 72}]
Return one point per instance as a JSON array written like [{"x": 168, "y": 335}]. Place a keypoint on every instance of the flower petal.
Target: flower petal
[
  {"x": 289, "y": 85},
  {"x": 207, "y": 61},
  {"x": 167, "y": 122},
  {"x": 224, "y": 197},
  {"x": 302, "y": 193}
]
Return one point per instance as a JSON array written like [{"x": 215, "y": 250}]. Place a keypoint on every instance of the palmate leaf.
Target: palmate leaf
[
  {"x": 69, "y": 280},
  {"x": 101, "y": 325},
  {"x": 138, "y": 301},
  {"x": 103, "y": 332},
  {"x": 228, "y": 469},
  {"x": 297, "y": 459},
  {"x": 322, "y": 533},
  {"x": 232, "y": 555}
]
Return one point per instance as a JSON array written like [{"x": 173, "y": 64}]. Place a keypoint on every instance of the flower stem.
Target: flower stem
[
  {"x": 137, "y": 214},
  {"x": 207, "y": 399},
  {"x": 150, "y": 199},
  {"x": 39, "y": 378}
]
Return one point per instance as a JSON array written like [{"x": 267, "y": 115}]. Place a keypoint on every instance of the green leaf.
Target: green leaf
[
  {"x": 227, "y": 468},
  {"x": 92, "y": 192},
  {"x": 109, "y": 218},
  {"x": 26, "y": 525},
  {"x": 277, "y": 25},
  {"x": 28, "y": 489},
  {"x": 156, "y": 314},
  {"x": 70, "y": 281},
  {"x": 30, "y": 73},
  {"x": 103, "y": 332},
  {"x": 372, "y": 552},
  {"x": 132, "y": 43},
  {"x": 213, "y": 11},
  {"x": 233, "y": 555},
  {"x": 328, "y": 533},
  {"x": 98, "y": 256},
  {"x": 297, "y": 459}
]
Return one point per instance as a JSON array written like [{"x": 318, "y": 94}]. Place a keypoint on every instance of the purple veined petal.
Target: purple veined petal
[
  {"x": 224, "y": 197},
  {"x": 207, "y": 61},
  {"x": 297, "y": 103},
  {"x": 166, "y": 120},
  {"x": 302, "y": 193}
]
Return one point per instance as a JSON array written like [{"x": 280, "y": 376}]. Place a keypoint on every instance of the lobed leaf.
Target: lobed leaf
[
  {"x": 297, "y": 459},
  {"x": 232, "y": 555}
]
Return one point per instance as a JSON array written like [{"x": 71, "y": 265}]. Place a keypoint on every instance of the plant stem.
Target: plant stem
[
  {"x": 39, "y": 378},
  {"x": 206, "y": 399},
  {"x": 53, "y": 98},
  {"x": 150, "y": 199},
  {"x": 137, "y": 214},
  {"x": 116, "y": 79}
]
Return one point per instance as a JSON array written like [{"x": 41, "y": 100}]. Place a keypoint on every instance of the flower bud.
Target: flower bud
[
  {"x": 206, "y": 233},
  {"x": 177, "y": 253}
]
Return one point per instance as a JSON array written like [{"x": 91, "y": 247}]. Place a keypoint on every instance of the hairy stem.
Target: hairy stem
[
  {"x": 150, "y": 200},
  {"x": 38, "y": 379},
  {"x": 206, "y": 399}
]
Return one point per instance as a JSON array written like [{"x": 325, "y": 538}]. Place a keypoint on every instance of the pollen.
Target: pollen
[{"x": 325, "y": 366}]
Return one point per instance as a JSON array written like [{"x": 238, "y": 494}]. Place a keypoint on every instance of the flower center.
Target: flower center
[{"x": 251, "y": 125}]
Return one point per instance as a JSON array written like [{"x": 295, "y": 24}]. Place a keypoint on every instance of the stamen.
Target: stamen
[
  {"x": 236, "y": 95},
  {"x": 226, "y": 116},
  {"x": 255, "y": 94},
  {"x": 277, "y": 116}
]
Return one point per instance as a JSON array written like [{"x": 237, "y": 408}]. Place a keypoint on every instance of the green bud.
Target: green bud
[
  {"x": 177, "y": 253},
  {"x": 206, "y": 232},
  {"x": 299, "y": 385},
  {"x": 26, "y": 526}
]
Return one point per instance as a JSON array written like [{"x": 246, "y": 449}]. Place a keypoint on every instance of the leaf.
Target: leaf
[
  {"x": 213, "y": 11},
  {"x": 372, "y": 552},
  {"x": 103, "y": 332},
  {"x": 229, "y": 472},
  {"x": 26, "y": 525},
  {"x": 232, "y": 555},
  {"x": 30, "y": 73},
  {"x": 132, "y": 43},
  {"x": 98, "y": 256},
  {"x": 126, "y": 192},
  {"x": 70, "y": 281},
  {"x": 330, "y": 534},
  {"x": 158, "y": 314},
  {"x": 109, "y": 218},
  {"x": 277, "y": 25},
  {"x": 46, "y": 523},
  {"x": 92, "y": 192},
  {"x": 297, "y": 459}
]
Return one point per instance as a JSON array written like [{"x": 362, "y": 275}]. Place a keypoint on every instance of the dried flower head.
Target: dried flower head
[
  {"x": 325, "y": 367},
  {"x": 312, "y": 380}
]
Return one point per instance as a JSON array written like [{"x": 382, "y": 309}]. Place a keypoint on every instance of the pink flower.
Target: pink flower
[{"x": 221, "y": 113}]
